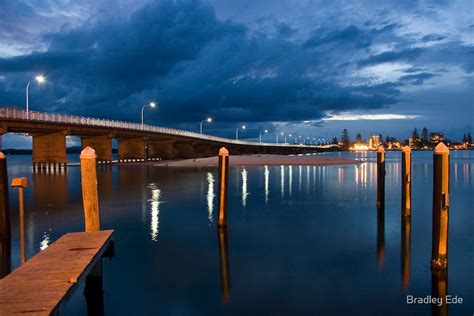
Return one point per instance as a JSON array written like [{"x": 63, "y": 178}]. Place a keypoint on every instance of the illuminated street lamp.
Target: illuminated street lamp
[
  {"x": 209, "y": 120},
  {"x": 40, "y": 79},
  {"x": 152, "y": 105},
  {"x": 309, "y": 140},
  {"x": 260, "y": 137},
  {"x": 237, "y": 132}
]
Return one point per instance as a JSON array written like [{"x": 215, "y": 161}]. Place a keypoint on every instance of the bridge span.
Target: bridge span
[{"x": 136, "y": 142}]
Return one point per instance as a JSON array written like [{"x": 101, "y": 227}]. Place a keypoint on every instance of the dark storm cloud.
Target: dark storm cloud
[
  {"x": 196, "y": 65},
  {"x": 433, "y": 38},
  {"x": 417, "y": 79},
  {"x": 408, "y": 54}
]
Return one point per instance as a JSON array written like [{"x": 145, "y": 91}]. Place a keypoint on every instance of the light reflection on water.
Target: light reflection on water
[
  {"x": 244, "y": 187},
  {"x": 155, "y": 211},
  {"x": 320, "y": 240},
  {"x": 266, "y": 174},
  {"x": 210, "y": 196}
]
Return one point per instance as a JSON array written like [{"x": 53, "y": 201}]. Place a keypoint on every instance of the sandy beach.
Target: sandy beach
[{"x": 259, "y": 160}]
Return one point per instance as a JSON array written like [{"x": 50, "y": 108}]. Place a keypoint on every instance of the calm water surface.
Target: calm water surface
[{"x": 301, "y": 239}]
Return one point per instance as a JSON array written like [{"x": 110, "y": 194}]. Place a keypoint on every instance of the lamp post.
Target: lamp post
[
  {"x": 237, "y": 132},
  {"x": 277, "y": 136},
  {"x": 260, "y": 137},
  {"x": 209, "y": 120},
  {"x": 152, "y": 105},
  {"x": 309, "y": 140},
  {"x": 40, "y": 79},
  {"x": 289, "y": 135}
]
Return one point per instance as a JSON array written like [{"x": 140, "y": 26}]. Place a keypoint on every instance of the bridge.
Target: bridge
[{"x": 136, "y": 142}]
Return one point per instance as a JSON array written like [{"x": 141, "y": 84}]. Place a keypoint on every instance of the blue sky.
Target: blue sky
[{"x": 306, "y": 67}]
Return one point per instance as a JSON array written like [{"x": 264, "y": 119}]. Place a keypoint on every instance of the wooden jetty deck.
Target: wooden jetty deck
[{"x": 47, "y": 280}]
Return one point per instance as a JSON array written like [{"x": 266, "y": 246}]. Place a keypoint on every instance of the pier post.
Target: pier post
[
  {"x": 406, "y": 251},
  {"x": 21, "y": 184},
  {"x": 439, "y": 290},
  {"x": 5, "y": 227},
  {"x": 5, "y": 232},
  {"x": 90, "y": 196},
  {"x": 380, "y": 176},
  {"x": 223, "y": 185},
  {"x": 224, "y": 264},
  {"x": 94, "y": 291},
  {"x": 406, "y": 181},
  {"x": 380, "y": 237},
  {"x": 439, "y": 254}
]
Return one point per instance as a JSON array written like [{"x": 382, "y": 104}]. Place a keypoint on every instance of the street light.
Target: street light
[
  {"x": 277, "y": 136},
  {"x": 152, "y": 105},
  {"x": 209, "y": 120},
  {"x": 265, "y": 131},
  {"x": 237, "y": 132},
  {"x": 40, "y": 79},
  {"x": 309, "y": 140}
]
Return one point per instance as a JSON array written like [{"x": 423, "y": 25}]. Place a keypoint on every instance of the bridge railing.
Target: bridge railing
[{"x": 17, "y": 114}]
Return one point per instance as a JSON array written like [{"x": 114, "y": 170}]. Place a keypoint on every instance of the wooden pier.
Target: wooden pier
[{"x": 44, "y": 283}]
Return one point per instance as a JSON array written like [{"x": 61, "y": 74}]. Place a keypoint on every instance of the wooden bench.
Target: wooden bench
[{"x": 44, "y": 283}]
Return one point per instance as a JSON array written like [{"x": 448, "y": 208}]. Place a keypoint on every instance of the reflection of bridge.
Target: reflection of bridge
[{"x": 136, "y": 142}]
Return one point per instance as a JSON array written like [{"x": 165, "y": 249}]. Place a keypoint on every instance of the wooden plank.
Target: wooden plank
[{"x": 46, "y": 281}]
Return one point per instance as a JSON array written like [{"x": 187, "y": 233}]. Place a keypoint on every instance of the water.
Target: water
[{"x": 301, "y": 239}]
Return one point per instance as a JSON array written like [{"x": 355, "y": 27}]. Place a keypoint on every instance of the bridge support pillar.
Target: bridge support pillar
[
  {"x": 102, "y": 146},
  {"x": 131, "y": 149},
  {"x": 207, "y": 150},
  {"x": 184, "y": 151},
  {"x": 161, "y": 149},
  {"x": 49, "y": 151}
]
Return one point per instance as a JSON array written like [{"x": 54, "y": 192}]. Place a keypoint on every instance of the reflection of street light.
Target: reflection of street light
[
  {"x": 237, "y": 132},
  {"x": 209, "y": 120},
  {"x": 151, "y": 104},
  {"x": 40, "y": 79},
  {"x": 265, "y": 131}
]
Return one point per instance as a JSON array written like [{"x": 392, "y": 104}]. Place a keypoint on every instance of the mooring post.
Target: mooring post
[
  {"x": 5, "y": 232},
  {"x": 406, "y": 181},
  {"x": 94, "y": 291},
  {"x": 21, "y": 184},
  {"x": 380, "y": 176},
  {"x": 223, "y": 185},
  {"x": 224, "y": 264},
  {"x": 380, "y": 237},
  {"x": 90, "y": 195},
  {"x": 5, "y": 227},
  {"x": 439, "y": 290},
  {"x": 406, "y": 251},
  {"x": 439, "y": 254}
]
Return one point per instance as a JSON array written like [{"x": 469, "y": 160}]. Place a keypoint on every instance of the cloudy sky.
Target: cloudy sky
[{"x": 306, "y": 67}]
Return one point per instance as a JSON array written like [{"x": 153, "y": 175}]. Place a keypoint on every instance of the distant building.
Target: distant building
[
  {"x": 436, "y": 137},
  {"x": 394, "y": 144},
  {"x": 374, "y": 141}
]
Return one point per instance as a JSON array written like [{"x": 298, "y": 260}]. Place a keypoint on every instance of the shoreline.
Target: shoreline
[{"x": 257, "y": 160}]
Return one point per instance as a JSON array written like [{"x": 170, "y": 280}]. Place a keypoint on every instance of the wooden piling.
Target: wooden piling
[
  {"x": 21, "y": 184},
  {"x": 90, "y": 195},
  {"x": 439, "y": 254},
  {"x": 380, "y": 177},
  {"x": 224, "y": 264},
  {"x": 380, "y": 237},
  {"x": 406, "y": 251},
  {"x": 5, "y": 230},
  {"x": 223, "y": 185},
  {"x": 94, "y": 291},
  {"x": 439, "y": 290},
  {"x": 406, "y": 181}
]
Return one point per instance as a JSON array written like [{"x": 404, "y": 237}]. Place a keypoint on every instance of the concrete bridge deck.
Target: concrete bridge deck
[{"x": 135, "y": 141}]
